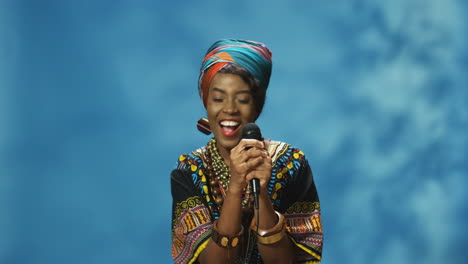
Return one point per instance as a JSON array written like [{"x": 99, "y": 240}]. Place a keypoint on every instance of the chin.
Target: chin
[{"x": 228, "y": 144}]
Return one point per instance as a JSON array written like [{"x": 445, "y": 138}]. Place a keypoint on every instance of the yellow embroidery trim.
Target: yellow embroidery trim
[
  {"x": 198, "y": 251},
  {"x": 187, "y": 204},
  {"x": 305, "y": 249},
  {"x": 303, "y": 207}
]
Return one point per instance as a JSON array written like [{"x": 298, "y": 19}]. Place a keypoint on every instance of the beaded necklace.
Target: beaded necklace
[{"x": 220, "y": 177}]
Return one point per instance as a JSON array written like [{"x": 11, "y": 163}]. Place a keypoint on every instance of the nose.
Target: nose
[{"x": 230, "y": 107}]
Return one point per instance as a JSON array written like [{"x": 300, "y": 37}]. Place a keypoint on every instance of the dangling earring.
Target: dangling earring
[{"x": 204, "y": 126}]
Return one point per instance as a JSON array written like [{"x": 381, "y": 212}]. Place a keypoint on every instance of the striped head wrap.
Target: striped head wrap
[{"x": 253, "y": 56}]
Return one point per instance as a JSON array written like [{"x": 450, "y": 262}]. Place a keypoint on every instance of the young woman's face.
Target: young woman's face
[{"x": 230, "y": 106}]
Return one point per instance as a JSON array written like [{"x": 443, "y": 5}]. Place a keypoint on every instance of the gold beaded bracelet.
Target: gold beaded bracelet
[
  {"x": 225, "y": 241},
  {"x": 272, "y": 235}
]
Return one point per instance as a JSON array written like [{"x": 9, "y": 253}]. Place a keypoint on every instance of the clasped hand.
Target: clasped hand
[{"x": 249, "y": 160}]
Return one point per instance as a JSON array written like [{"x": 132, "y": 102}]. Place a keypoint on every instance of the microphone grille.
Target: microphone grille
[{"x": 251, "y": 131}]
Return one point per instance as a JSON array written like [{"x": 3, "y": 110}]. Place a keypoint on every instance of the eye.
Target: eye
[
  {"x": 217, "y": 100},
  {"x": 244, "y": 101}
]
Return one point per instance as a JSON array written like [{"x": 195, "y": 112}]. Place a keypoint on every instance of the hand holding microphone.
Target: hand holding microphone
[{"x": 252, "y": 131}]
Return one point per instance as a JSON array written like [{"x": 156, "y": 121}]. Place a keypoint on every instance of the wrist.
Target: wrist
[
  {"x": 264, "y": 194},
  {"x": 234, "y": 192},
  {"x": 272, "y": 235},
  {"x": 235, "y": 188},
  {"x": 224, "y": 240}
]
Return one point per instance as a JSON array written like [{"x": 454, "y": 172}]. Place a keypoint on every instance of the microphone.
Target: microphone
[{"x": 252, "y": 131}]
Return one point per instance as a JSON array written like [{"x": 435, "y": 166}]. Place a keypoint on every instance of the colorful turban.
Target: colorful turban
[{"x": 253, "y": 56}]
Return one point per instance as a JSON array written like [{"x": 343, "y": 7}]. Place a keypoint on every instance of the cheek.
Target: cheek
[
  {"x": 249, "y": 113},
  {"x": 211, "y": 110}
]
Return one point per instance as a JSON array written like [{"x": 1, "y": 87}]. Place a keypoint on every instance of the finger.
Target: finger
[
  {"x": 257, "y": 175},
  {"x": 254, "y": 153},
  {"x": 245, "y": 145},
  {"x": 264, "y": 166},
  {"x": 252, "y": 164},
  {"x": 251, "y": 143},
  {"x": 241, "y": 157},
  {"x": 254, "y": 174},
  {"x": 253, "y": 158}
]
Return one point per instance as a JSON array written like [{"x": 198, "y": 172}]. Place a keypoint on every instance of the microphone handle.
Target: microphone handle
[{"x": 256, "y": 190}]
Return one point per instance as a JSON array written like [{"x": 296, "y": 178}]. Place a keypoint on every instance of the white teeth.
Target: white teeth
[{"x": 229, "y": 123}]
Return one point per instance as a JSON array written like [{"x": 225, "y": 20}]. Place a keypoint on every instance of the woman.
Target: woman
[{"x": 213, "y": 220}]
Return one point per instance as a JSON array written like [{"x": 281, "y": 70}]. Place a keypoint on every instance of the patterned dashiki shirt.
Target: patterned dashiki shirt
[{"x": 292, "y": 191}]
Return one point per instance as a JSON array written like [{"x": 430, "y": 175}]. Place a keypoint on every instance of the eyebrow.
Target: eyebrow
[{"x": 224, "y": 92}]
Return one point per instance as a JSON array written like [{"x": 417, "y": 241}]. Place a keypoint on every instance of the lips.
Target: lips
[{"x": 229, "y": 127}]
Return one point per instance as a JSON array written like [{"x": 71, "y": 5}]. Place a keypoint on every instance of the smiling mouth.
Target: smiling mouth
[{"x": 229, "y": 127}]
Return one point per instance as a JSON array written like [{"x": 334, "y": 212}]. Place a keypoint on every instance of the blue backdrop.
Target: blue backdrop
[{"x": 99, "y": 98}]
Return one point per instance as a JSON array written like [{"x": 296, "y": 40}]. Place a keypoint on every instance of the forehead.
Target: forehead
[{"x": 229, "y": 82}]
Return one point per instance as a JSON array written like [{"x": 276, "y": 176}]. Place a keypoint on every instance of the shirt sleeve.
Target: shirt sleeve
[
  {"x": 301, "y": 208},
  {"x": 191, "y": 219}
]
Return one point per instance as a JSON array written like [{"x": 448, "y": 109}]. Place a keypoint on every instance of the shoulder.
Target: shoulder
[
  {"x": 286, "y": 159},
  {"x": 191, "y": 160},
  {"x": 283, "y": 151},
  {"x": 187, "y": 168},
  {"x": 190, "y": 167},
  {"x": 288, "y": 165}
]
